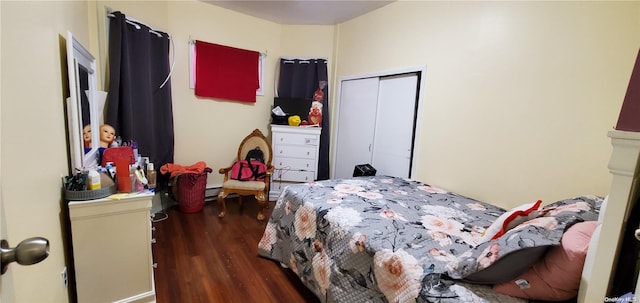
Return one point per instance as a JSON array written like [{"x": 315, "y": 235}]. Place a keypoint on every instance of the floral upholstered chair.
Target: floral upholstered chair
[{"x": 259, "y": 189}]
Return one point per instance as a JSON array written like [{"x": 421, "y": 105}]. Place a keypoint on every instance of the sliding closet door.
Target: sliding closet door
[
  {"x": 356, "y": 124},
  {"x": 394, "y": 126}
]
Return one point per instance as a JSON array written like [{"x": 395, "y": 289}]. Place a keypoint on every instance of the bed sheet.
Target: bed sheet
[{"x": 387, "y": 239}]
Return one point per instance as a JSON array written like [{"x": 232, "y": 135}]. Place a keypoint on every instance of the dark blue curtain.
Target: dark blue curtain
[
  {"x": 138, "y": 104},
  {"x": 300, "y": 79}
]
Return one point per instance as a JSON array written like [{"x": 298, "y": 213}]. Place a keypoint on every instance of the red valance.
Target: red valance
[{"x": 226, "y": 72}]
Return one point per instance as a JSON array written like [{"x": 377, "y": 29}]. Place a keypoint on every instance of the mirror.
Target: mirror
[{"x": 82, "y": 111}]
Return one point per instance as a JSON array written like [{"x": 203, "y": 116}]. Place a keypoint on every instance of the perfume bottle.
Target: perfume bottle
[{"x": 151, "y": 175}]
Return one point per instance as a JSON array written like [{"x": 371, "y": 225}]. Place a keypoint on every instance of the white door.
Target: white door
[
  {"x": 6, "y": 280},
  {"x": 356, "y": 124},
  {"x": 394, "y": 128}
]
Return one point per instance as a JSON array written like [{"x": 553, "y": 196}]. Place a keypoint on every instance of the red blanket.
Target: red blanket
[{"x": 175, "y": 169}]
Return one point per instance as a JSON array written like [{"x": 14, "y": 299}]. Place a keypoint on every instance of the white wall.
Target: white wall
[
  {"x": 33, "y": 77},
  {"x": 207, "y": 129},
  {"x": 519, "y": 96},
  {"x": 309, "y": 41},
  {"x": 34, "y": 150}
]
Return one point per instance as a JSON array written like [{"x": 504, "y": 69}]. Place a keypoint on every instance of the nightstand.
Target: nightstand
[{"x": 112, "y": 249}]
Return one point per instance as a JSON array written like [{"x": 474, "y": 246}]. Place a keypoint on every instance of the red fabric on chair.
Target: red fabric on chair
[{"x": 225, "y": 72}]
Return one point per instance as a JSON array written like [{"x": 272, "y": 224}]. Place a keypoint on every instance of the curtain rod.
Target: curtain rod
[
  {"x": 193, "y": 41},
  {"x": 137, "y": 24},
  {"x": 304, "y": 58}
]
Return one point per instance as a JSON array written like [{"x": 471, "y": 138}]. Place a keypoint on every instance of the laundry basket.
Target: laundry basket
[{"x": 191, "y": 189}]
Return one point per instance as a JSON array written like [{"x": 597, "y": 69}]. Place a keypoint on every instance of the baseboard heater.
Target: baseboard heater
[{"x": 211, "y": 192}]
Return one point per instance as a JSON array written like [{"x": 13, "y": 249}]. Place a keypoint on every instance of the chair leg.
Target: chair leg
[
  {"x": 261, "y": 204},
  {"x": 266, "y": 199},
  {"x": 223, "y": 205}
]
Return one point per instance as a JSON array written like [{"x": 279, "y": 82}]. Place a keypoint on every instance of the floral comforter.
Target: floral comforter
[{"x": 386, "y": 239}]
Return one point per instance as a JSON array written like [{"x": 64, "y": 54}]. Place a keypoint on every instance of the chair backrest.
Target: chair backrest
[{"x": 253, "y": 140}]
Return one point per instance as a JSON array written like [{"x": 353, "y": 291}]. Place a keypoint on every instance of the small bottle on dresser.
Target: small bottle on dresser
[
  {"x": 151, "y": 175},
  {"x": 94, "y": 180}
]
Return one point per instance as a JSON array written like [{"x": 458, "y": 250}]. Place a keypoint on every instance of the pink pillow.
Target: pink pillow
[
  {"x": 555, "y": 277},
  {"x": 509, "y": 220}
]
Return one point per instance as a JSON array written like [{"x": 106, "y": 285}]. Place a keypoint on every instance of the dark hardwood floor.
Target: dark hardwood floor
[{"x": 202, "y": 258}]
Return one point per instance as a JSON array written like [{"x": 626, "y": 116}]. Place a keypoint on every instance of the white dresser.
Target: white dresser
[
  {"x": 295, "y": 156},
  {"x": 112, "y": 249}
]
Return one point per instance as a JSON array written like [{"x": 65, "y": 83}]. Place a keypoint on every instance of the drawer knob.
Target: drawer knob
[
  {"x": 307, "y": 164},
  {"x": 280, "y": 163},
  {"x": 308, "y": 153},
  {"x": 153, "y": 240},
  {"x": 280, "y": 151},
  {"x": 155, "y": 265}
]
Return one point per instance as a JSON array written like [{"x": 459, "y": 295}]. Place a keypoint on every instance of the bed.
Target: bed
[{"x": 387, "y": 239}]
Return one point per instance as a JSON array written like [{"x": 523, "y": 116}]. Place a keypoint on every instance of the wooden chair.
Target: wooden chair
[{"x": 259, "y": 189}]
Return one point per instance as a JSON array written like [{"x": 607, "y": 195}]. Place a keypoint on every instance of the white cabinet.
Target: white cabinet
[
  {"x": 295, "y": 156},
  {"x": 112, "y": 249}
]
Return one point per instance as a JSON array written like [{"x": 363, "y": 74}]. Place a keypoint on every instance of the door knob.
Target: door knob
[{"x": 28, "y": 252}]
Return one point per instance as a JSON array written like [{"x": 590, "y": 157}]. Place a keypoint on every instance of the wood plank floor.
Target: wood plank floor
[{"x": 202, "y": 258}]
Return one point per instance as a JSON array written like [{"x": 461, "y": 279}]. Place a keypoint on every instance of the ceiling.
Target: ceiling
[{"x": 303, "y": 12}]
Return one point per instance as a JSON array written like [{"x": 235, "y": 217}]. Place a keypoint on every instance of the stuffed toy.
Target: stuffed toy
[
  {"x": 294, "y": 120},
  {"x": 315, "y": 114}
]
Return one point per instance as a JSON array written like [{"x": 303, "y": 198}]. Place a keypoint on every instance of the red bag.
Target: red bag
[
  {"x": 112, "y": 154},
  {"x": 252, "y": 170}
]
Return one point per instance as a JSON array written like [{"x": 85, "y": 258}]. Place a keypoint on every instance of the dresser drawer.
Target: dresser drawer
[
  {"x": 294, "y": 163},
  {"x": 306, "y": 152},
  {"x": 293, "y": 175},
  {"x": 295, "y": 139}
]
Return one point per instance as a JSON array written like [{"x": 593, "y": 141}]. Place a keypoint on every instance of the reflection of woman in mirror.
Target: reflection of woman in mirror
[
  {"x": 86, "y": 135},
  {"x": 107, "y": 134}
]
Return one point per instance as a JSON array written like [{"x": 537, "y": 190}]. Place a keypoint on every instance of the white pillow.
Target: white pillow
[{"x": 510, "y": 219}]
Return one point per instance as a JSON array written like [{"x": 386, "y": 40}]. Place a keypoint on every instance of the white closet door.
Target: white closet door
[
  {"x": 356, "y": 123},
  {"x": 394, "y": 125}
]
